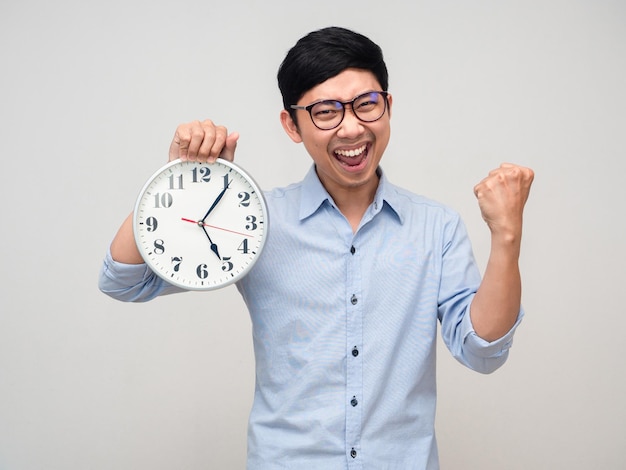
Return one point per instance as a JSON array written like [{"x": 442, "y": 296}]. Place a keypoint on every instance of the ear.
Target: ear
[
  {"x": 389, "y": 103},
  {"x": 290, "y": 127}
]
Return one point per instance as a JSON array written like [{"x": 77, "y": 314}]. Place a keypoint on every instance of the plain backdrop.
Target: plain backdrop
[{"x": 90, "y": 96}]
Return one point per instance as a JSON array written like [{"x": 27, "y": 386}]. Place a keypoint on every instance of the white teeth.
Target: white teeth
[{"x": 351, "y": 153}]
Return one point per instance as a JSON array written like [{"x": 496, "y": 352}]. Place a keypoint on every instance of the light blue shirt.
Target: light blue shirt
[{"x": 345, "y": 327}]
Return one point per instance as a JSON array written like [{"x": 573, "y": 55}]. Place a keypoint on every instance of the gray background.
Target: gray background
[{"x": 90, "y": 96}]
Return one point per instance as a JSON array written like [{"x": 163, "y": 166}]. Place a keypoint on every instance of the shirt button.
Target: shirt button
[
  {"x": 354, "y": 300},
  {"x": 354, "y": 401},
  {"x": 355, "y": 352},
  {"x": 352, "y": 249},
  {"x": 353, "y": 453}
]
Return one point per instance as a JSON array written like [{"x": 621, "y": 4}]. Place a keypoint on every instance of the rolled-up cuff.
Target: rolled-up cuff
[{"x": 476, "y": 346}]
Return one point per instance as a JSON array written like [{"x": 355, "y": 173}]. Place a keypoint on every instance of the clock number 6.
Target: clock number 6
[{"x": 202, "y": 271}]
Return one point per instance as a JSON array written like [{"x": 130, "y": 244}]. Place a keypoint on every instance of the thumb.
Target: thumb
[{"x": 228, "y": 152}]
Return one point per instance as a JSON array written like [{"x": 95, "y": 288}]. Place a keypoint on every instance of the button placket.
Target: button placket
[{"x": 354, "y": 369}]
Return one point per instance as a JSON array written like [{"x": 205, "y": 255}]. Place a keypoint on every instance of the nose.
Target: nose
[{"x": 351, "y": 126}]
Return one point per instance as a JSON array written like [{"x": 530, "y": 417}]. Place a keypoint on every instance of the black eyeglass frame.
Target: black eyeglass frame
[{"x": 343, "y": 104}]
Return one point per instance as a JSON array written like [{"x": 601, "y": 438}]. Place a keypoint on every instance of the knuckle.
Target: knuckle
[
  {"x": 196, "y": 131},
  {"x": 515, "y": 173}
]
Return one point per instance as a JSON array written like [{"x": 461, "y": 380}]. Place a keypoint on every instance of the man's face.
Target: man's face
[{"x": 346, "y": 157}]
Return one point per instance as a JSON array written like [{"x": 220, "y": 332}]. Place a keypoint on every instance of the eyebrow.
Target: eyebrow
[{"x": 343, "y": 101}]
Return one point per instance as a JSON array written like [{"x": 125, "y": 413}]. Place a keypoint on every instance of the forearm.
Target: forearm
[
  {"x": 123, "y": 247},
  {"x": 496, "y": 305},
  {"x": 501, "y": 197}
]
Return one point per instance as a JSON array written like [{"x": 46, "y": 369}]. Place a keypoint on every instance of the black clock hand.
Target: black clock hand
[
  {"x": 219, "y": 198},
  {"x": 213, "y": 245}
]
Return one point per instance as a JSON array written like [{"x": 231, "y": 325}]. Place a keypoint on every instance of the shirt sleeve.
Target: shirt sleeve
[
  {"x": 460, "y": 279},
  {"x": 131, "y": 282},
  {"x": 487, "y": 356}
]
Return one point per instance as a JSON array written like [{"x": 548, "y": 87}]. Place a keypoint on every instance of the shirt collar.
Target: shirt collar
[{"x": 314, "y": 195}]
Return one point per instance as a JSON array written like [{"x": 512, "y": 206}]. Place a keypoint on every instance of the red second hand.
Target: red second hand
[{"x": 213, "y": 226}]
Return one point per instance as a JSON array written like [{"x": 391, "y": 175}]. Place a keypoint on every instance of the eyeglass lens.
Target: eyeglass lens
[{"x": 367, "y": 107}]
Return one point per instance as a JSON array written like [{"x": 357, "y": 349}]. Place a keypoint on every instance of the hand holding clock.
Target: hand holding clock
[
  {"x": 200, "y": 169},
  {"x": 203, "y": 141},
  {"x": 200, "y": 157}
]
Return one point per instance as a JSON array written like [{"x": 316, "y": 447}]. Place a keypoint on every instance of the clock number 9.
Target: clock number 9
[{"x": 152, "y": 224}]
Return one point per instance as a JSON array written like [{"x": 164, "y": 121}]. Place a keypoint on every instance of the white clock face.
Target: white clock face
[{"x": 200, "y": 226}]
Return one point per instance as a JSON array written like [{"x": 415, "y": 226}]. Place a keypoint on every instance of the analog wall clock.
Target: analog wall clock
[{"x": 200, "y": 226}]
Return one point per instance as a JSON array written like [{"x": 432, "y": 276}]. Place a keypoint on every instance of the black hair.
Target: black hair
[{"x": 323, "y": 54}]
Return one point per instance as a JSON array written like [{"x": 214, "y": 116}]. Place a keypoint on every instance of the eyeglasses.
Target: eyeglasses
[{"x": 328, "y": 114}]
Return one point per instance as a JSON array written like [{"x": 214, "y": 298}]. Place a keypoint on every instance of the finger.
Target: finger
[
  {"x": 200, "y": 133},
  {"x": 228, "y": 153},
  {"x": 174, "y": 147},
  {"x": 182, "y": 142},
  {"x": 214, "y": 148},
  {"x": 477, "y": 190},
  {"x": 518, "y": 177}
]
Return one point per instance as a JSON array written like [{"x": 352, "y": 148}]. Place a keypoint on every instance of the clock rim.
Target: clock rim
[{"x": 264, "y": 210}]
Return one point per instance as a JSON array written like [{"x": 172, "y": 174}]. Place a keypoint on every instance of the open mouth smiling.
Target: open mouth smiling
[{"x": 352, "y": 157}]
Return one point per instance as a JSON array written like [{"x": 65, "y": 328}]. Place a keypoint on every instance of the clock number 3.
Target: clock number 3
[{"x": 252, "y": 225}]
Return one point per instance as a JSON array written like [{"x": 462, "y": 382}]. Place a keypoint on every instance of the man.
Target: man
[{"x": 355, "y": 274}]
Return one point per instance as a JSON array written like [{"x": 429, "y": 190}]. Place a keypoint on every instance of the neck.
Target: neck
[{"x": 352, "y": 202}]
